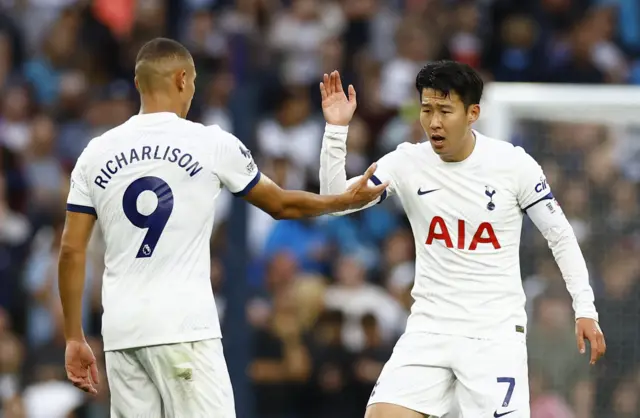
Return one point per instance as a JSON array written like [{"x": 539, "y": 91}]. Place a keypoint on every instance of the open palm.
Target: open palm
[{"x": 337, "y": 108}]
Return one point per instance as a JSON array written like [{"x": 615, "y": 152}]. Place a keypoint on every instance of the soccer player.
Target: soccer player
[
  {"x": 151, "y": 184},
  {"x": 465, "y": 195}
]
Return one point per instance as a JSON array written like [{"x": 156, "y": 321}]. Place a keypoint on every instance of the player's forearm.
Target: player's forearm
[
  {"x": 573, "y": 267},
  {"x": 333, "y": 156},
  {"x": 562, "y": 241},
  {"x": 296, "y": 204},
  {"x": 71, "y": 269}
]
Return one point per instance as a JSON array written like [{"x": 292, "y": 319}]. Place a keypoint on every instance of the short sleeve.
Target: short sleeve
[
  {"x": 234, "y": 165},
  {"x": 532, "y": 186},
  {"x": 79, "y": 198}
]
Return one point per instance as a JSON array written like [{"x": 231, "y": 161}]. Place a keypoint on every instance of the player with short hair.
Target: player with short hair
[
  {"x": 465, "y": 195},
  {"x": 151, "y": 183}
]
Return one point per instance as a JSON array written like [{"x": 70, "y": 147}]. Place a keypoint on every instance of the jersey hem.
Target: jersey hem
[
  {"x": 81, "y": 209},
  {"x": 249, "y": 186},
  {"x": 161, "y": 341},
  {"x": 501, "y": 335}
]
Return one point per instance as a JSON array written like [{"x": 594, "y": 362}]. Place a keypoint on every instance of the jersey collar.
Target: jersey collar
[{"x": 151, "y": 118}]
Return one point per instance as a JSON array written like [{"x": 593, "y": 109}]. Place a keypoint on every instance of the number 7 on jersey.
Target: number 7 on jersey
[{"x": 154, "y": 222}]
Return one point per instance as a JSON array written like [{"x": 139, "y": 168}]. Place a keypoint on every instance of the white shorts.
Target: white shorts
[
  {"x": 435, "y": 374},
  {"x": 186, "y": 380}
]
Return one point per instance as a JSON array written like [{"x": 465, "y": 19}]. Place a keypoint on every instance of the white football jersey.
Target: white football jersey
[
  {"x": 467, "y": 219},
  {"x": 152, "y": 183}
]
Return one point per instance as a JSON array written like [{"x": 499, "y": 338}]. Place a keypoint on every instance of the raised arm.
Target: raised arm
[{"x": 338, "y": 111}]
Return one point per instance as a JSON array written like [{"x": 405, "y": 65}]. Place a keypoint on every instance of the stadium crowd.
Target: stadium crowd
[{"x": 329, "y": 295}]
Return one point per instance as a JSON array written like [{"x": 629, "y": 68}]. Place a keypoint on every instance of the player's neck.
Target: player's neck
[
  {"x": 469, "y": 143},
  {"x": 158, "y": 104}
]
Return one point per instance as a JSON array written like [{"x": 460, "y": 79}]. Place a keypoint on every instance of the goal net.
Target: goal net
[{"x": 587, "y": 139}]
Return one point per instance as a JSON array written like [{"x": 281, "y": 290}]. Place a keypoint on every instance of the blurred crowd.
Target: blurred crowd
[{"x": 329, "y": 296}]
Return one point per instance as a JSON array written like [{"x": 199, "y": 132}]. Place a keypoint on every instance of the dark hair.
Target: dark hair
[
  {"x": 450, "y": 76},
  {"x": 162, "y": 48}
]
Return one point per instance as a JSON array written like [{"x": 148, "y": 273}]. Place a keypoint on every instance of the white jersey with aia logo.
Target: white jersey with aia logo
[
  {"x": 465, "y": 337},
  {"x": 467, "y": 219},
  {"x": 152, "y": 183}
]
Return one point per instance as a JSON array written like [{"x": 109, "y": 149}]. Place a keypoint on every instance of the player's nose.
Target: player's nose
[{"x": 435, "y": 123}]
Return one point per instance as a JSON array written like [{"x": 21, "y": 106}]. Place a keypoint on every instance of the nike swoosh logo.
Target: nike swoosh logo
[
  {"x": 420, "y": 192},
  {"x": 497, "y": 415}
]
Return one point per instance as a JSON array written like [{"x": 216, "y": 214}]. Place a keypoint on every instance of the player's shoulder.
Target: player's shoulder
[
  {"x": 213, "y": 135},
  {"x": 193, "y": 129},
  {"x": 402, "y": 152},
  {"x": 504, "y": 153}
]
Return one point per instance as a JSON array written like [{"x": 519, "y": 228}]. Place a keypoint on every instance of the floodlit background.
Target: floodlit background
[{"x": 311, "y": 309}]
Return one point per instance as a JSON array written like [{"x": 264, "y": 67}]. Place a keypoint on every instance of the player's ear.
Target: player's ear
[
  {"x": 181, "y": 80},
  {"x": 473, "y": 113},
  {"x": 136, "y": 82}
]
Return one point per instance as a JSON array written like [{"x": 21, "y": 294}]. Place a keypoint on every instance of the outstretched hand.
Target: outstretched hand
[
  {"x": 361, "y": 193},
  {"x": 336, "y": 107},
  {"x": 588, "y": 329}
]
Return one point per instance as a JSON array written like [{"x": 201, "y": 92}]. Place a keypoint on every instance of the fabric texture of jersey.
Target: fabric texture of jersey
[{"x": 152, "y": 183}]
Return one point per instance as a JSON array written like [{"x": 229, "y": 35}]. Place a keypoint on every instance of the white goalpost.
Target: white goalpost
[{"x": 504, "y": 103}]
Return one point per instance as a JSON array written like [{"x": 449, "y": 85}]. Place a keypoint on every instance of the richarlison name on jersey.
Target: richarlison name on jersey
[{"x": 173, "y": 155}]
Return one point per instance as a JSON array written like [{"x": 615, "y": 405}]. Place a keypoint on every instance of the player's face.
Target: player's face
[{"x": 446, "y": 122}]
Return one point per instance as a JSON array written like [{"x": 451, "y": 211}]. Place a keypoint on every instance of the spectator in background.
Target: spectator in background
[
  {"x": 215, "y": 109},
  {"x": 14, "y": 233},
  {"x": 298, "y": 34},
  {"x": 11, "y": 362},
  {"x": 518, "y": 50},
  {"x": 369, "y": 361},
  {"x": 551, "y": 345},
  {"x": 577, "y": 66},
  {"x": 355, "y": 298},
  {"x": 465, "y": 44},
  {"x": 305, "y": 240},
  {"x": 415, "y": 46},
  {"x": 16, "y": 113},
  {"x": 59, "y": 49},
  {"x": 281, "y": 362},
  {"x": 295, "y": 135},
  {"x": 620, "y": 310},
  {"x": 331, "y": 390},
  {"x": 545, "y": 403},
  {"x": 43, "y": 171},
  {"x": 41, "y": 283}
]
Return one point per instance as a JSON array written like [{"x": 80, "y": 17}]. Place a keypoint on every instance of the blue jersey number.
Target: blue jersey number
[
  {"x": 512, "y": 384},
  {"x": 155, "y": 222}
]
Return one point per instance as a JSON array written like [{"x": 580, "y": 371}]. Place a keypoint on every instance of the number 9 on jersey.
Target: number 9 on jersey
[{"x": 154, "y": 222}]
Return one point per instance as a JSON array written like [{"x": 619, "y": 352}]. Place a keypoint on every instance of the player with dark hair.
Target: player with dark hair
[
  {"x": 151, "y": 183},
  {"x": 465, "y": 195}
]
